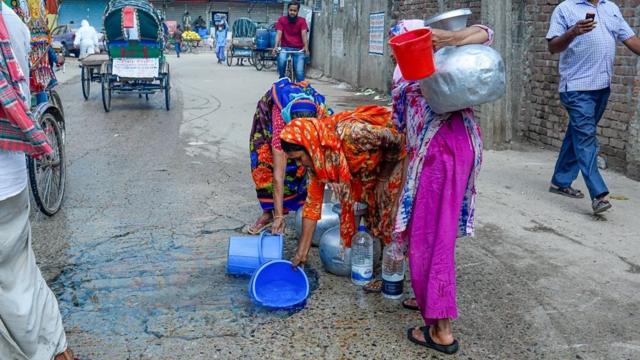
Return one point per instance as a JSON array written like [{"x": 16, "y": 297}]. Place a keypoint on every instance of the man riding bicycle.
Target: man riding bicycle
[{"x": 292, "y": 37}]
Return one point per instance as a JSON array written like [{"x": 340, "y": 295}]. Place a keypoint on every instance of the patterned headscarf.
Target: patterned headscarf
[
  {"x": 324, "y": 145},
  {"x": 319, "y": 138}
]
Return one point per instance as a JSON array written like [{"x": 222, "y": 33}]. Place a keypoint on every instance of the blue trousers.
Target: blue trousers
[
  {"x": 298, "y": 64},
  {"x": 579, "y": 152},
  {"x": 178, "y": 47},
  {"x": 220, "y": 53}
]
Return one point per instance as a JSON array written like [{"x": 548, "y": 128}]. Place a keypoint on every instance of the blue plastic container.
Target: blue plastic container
[
  {"x": 247, "y": 253},
  {"x": 203, "y": 33},
  {"x": 42, "y": 97},
  {"x": 276, "y": 286},
  {"x": 262, "y": 39},
  {"x": 272, "y": 38}
]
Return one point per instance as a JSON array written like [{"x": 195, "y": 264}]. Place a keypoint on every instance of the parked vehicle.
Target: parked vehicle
[
  {"x": 64, "y": 35},
  {"x": 136, "y": 62}
]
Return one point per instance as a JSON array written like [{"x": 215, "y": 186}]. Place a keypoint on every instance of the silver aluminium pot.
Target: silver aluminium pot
[
  {"x": 465, "y": 76},
  {"x": 334, "y": 257}
]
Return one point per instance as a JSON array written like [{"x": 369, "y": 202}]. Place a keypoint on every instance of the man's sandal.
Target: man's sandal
[{"x": 566, "y": 191}]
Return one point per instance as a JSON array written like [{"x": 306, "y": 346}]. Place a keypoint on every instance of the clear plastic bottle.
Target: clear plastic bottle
[
  {"x": 361, "y": 257},
  {"x": 392, "y": 271}
]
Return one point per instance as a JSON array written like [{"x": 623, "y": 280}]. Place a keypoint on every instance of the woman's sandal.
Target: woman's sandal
[
  {"x": 406, "y": 305},
  {"x": 252, "y": 230},
  {"x": 429, "y": 343},
  {"x": 374, "y": 286}
]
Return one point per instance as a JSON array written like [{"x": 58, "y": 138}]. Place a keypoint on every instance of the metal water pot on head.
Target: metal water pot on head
[
  {"x": 465, "y": 76},
  {"x": 335, "y": 258},
  {"x": 328, "y": 218}
]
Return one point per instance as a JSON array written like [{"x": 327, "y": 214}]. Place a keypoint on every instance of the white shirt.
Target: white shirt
[{"x": 13, "y": 169}]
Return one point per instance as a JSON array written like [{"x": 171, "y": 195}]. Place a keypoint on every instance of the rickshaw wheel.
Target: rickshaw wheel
[
  {"x": 256, "y": 60},
  {"x": 229, "y": 57},
  {"x": 167, "y": 90},
  {"x": 106, "y": 93},
  {"x": 47, "y": 174},
  {"x": 86, "y": 82}
]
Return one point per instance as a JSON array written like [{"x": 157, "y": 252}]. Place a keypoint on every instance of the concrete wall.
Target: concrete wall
[
  {"x": 531, "y": 110},
  {"x": 267, "y": 13},
  {"x": 340, "y": 45}
]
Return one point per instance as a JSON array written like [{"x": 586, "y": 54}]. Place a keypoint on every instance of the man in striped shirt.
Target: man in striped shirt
[{"x": 585, "y": 32}]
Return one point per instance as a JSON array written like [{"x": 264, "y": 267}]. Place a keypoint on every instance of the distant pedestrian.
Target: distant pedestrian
[
  {"x": 186, "y": 20},
  {"x": 177, "y": 40},
  {"x": 585, "y": 33},
  {"x": 221, "y": 40},
  {"x": 86, "y": 39}
]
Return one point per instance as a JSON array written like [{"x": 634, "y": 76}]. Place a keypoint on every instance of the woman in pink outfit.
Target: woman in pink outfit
[{"x": 437, "y": 203}]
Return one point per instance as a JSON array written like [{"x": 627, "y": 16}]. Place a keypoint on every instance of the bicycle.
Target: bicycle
[{"x": 289, "y": 69}]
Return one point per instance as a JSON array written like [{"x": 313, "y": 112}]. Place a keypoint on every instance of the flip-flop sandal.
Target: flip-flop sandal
[
  {"x": 260, "y": 229},
  {"x": 566, "y": 191},
  {"x": 373, "y": 287},
  {"x": 406, "y": 305},
  {"x": 429, "y": 343}
]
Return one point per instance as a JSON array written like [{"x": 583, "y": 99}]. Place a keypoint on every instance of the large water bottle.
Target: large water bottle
[
  {"x": 361, "y": 257},
  {"x": 392, "y": 272}
]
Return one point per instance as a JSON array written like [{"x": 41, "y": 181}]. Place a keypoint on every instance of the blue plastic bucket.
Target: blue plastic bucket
[
  {"x": 247, "y": 253},
  {"x": 276, "y": 286},
  {"x": 262, "y": 39},
  {"x": 272, "y": 37}
]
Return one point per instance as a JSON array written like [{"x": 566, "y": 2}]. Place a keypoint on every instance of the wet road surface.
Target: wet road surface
[{"x": 137, "y": 255}]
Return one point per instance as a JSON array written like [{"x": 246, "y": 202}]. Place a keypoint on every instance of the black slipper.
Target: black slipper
[
  {"x": 410, "y": 307},
  {"x": 445, "y": 349}
]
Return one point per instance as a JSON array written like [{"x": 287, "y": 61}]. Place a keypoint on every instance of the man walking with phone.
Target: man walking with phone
[{"x": 585, "y": 32}]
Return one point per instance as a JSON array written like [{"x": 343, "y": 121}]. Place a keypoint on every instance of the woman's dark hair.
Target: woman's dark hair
[
  {"x": 290, "y": 147},
  {"x": 302, "y": 114},
  {"x": 292, "y": 3}
]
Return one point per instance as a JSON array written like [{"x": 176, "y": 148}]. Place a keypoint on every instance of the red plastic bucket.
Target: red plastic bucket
[{"x": 414, "y": 53}]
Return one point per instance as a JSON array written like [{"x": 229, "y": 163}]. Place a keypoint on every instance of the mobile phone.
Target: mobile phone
[{"x": 590, "y": 16}]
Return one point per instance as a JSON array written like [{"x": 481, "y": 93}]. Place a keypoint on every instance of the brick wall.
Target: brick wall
[
  {"x": 421, "y": 9},
  {"x": 544, "y": 121},
  {"x": 538, "y": 117}
]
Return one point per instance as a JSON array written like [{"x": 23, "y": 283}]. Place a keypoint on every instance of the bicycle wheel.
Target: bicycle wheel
[
  {"x": 86, "y": 82},
  {"x": 47, "y": 174},
  {"x": 289, "y": 70}
]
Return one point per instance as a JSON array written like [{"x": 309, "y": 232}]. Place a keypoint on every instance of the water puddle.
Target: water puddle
[{"x": 158, "y": 283}]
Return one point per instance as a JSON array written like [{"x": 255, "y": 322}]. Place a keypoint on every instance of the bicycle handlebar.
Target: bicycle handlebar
[{"x": 290, "y": 51}]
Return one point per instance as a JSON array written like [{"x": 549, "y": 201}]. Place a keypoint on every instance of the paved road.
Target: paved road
[{"x": 137, "y": 255}]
